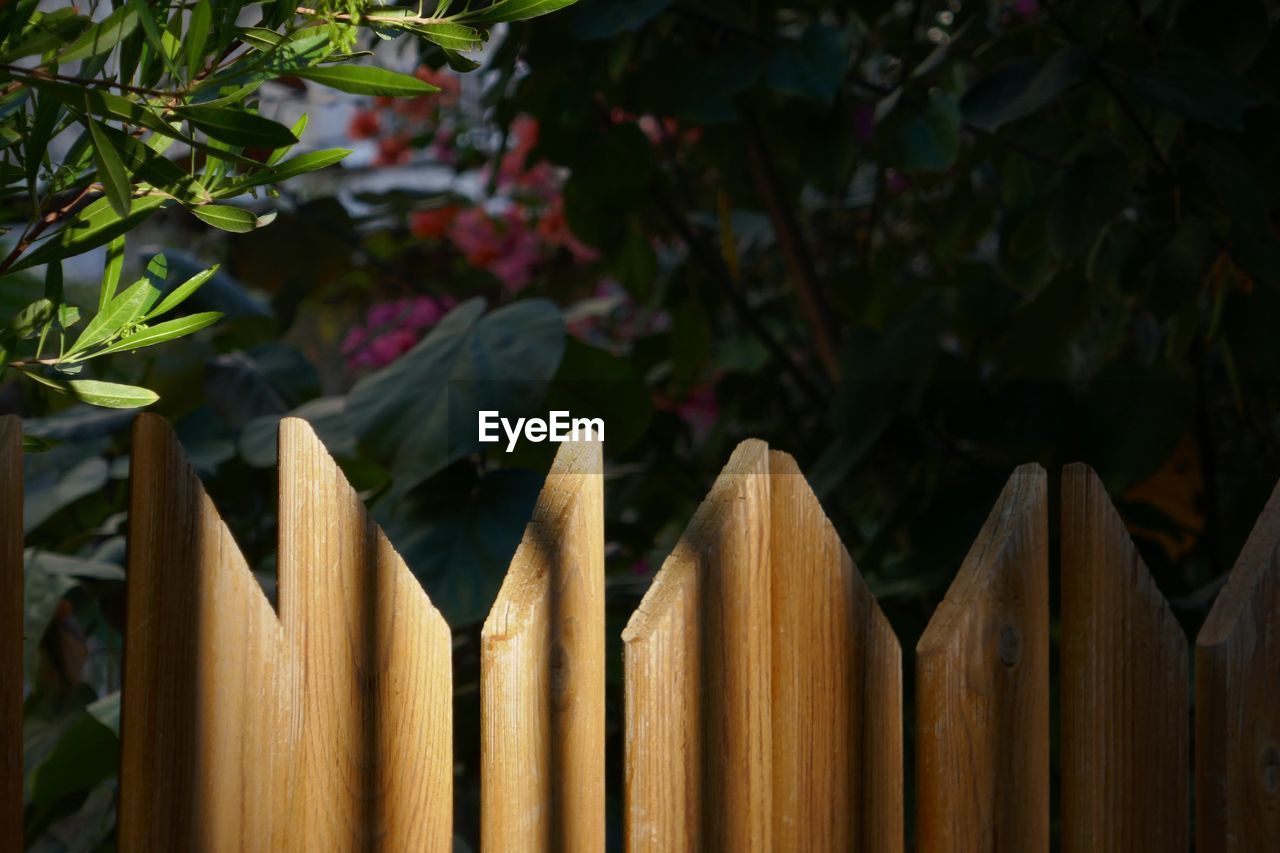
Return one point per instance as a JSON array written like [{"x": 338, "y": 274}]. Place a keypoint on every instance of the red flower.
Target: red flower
[
  {"x": 432, "y": 224},
  {"x": 364, "y": 124}
]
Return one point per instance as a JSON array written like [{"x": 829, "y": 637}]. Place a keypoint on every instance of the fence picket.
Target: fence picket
[
  {"x": 10, "y": 633},
  {"x": 1124, "y": 687},
  {"x": 325, "y": 728},
  {"x": 543, "y": 673},
  {"x": 982, "y": 679},
  {"x": 763, "y": 686},
  {"x": 1237, "y": 704},
  {"x": 837, "y": 686}
]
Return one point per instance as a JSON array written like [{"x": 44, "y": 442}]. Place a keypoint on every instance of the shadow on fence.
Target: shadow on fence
[{"x": 763, "y": 700}]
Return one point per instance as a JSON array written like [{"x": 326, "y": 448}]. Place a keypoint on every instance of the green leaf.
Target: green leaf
[
  {"x": 103, "y": 36},
  {"x": 237, "y": 220},
  {"x": 420, "y": 411},
  {"x": 197, "y": 36},
  {"x": 461, "y": 555},
  {"x": 1022, "y": 87},
  {"x": 120, "y": 313},
  {"x": 109, "y": 395},
  {"x": 602, "y": 19},
  {"x": 167, "y": 331},
  {"x": 115, "y": 180},
  {"x": 180, "y": 293},
  {"x": 111, "y": 272},
  {"x": 116, "y": 108},
  {"x": 294, "y": 166},
  {"x": 1097, "y": 187},
  {"x": 452, "y": 36},
  {"x": 931, "y": 140},
  {"x": 96, "y": 224},
  {"x": 237, "y": 127},
  {"x": 27, "y": 321},
  {"x": 505, "y": 11},
  {"x": 813, "y": 67},
  {"x": 299, "y": 128},
  {"x": 367, "y": 80},
  {"x": 1196, "y": 90},
  {"x": 155, "y": 38}
]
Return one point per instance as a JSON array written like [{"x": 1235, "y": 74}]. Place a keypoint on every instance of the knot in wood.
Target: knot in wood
[{"x": 1010, "y": 646}]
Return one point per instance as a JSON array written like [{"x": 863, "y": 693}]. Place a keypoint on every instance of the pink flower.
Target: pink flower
[
  {"x": 553, "y": 228},
  {"x": 1026, "y": 8},
  {"x": 391, "y": 329},
  {"x": 506, "y": 248}
]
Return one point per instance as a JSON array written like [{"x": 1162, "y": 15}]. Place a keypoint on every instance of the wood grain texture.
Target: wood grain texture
[
  {"x": 371, "y": 665},
  {"x": 696, "y": 661},
  {"x": 1238, "y": 702},
  {"x": 326, "y": 728},
  {"x": 1125, "y": 689},
  {"x": 543, "y": 673},
  {"x": 837, "y": 687},
  {"x": 10, "y": 634},
  {"x": 982, "y": 688}
]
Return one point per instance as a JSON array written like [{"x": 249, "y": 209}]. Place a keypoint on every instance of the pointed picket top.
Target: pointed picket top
[
  {"x": 699, "y": 772},
  {"x": 763, "y": 685},
  {"x": 10, "y": 633},
  {"x": 372, "y": 661},
  {"x": 837, "y": 686},
  {"x": 543, "y": 672},
  {"x": 1125, "y": 687},
  {"x": 1237, "y": 704},
  {"x": 326, "y": 728},
  {"x": 982, "y": 686}
]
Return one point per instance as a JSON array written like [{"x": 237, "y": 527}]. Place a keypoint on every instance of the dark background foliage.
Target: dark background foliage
[{"x": 914, "y": 244}]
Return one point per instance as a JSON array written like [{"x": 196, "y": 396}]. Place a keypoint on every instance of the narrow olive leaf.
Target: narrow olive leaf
[
  {"x": 459, "y": 62},
  {"x": 299, "y": 127},
  {"x": 180, "y": 293},
  {"x": 120, "y": 313},
  {"x": 151, "y": 31},
  {"x": 162, "y": 332},
  {"x": 367, "y": 80},
  {"x": 291, "y": 168},
  {"x": 197, "y": 36},
  {"x": 116, "y": 108},
  {"x": 453, "y": 36},
  {"x": 101, "y": 37},
  {"x": 35, "y": 444},
  {"x": 96, "y": 224},
  {"x": 158, "y": 270},
  {"x": 53, "y": 30},
  {"x": 111, "y": 272},
  {"x": 237, "y": 127},
  {"x": 30, "y": 318},
  {"x": 237, "y": 220},
  {"x": 505, "y": 11},
  {"x": 109, "y": 395},
  {"x": 115, "y": 180}
]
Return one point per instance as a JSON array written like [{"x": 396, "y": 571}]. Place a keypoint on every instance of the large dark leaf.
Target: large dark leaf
[
  {"x": 1021, "y": 88},
  {"x": 421, "y": 412},
  {"x": 461, "y": 557},
  {"x": 1196, "y": 90}
]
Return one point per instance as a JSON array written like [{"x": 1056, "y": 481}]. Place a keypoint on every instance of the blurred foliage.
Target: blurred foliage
[{"x": 912, "y": 243}]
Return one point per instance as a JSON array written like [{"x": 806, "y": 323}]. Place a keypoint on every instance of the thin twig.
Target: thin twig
[
  {"x": 52, "y": 217},
  {"x": 715, "y": 265},
  {"x": 794, "y": 247},
  {"x": 27, "y": 74}
]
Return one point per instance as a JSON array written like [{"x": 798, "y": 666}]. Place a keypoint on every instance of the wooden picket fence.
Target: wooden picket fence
[{"x": 763, "y": 699}]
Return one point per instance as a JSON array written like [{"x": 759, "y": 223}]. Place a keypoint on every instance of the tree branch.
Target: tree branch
[
  {"x": 715, "y": 266},
  {"x": 799, "y": 258}
]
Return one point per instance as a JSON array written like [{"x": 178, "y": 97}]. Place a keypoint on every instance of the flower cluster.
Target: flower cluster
[{"x": 390, "y": 329}]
